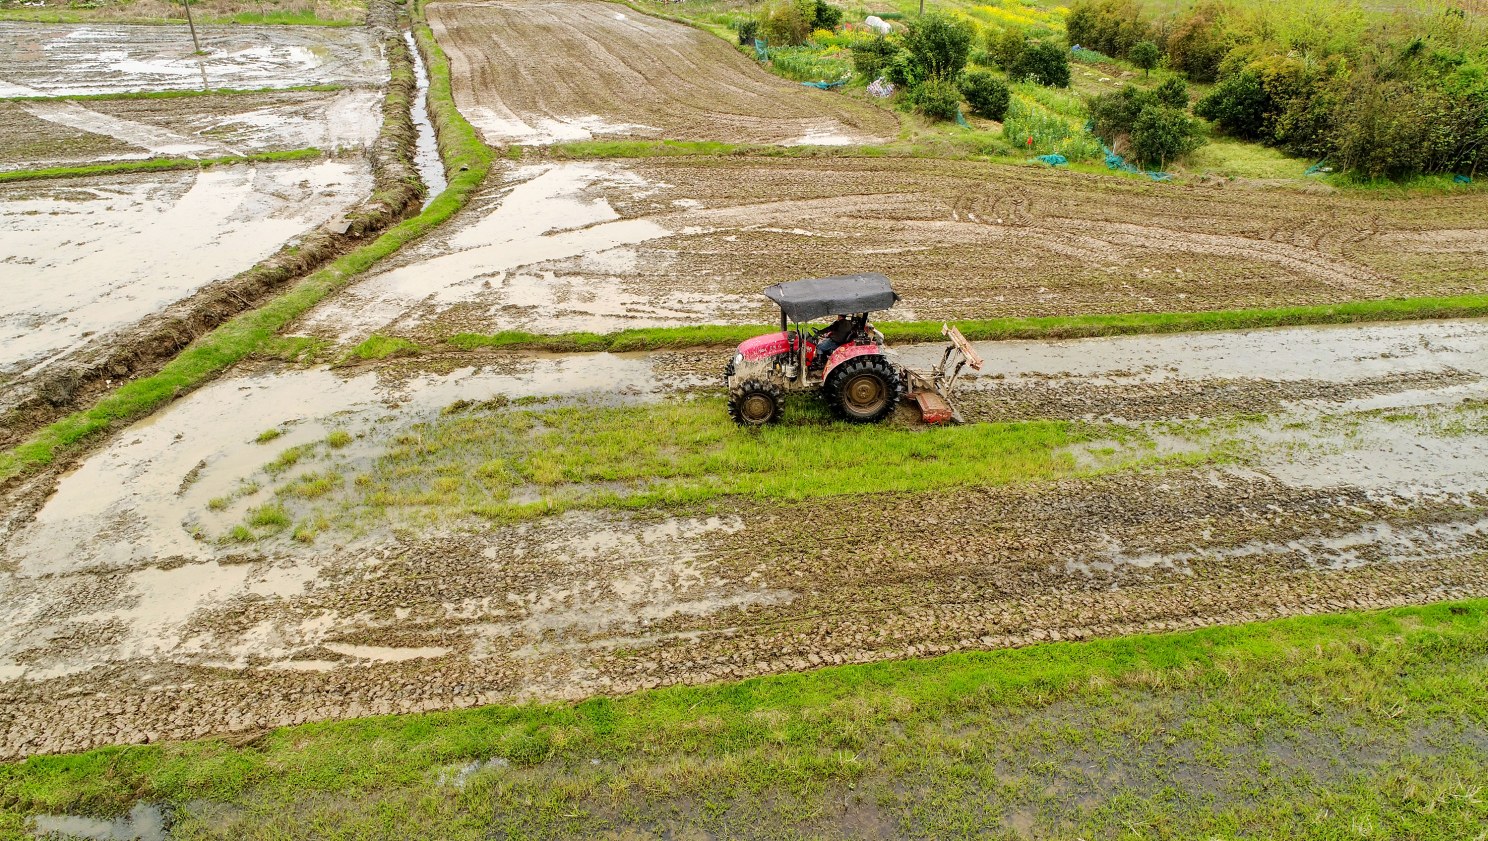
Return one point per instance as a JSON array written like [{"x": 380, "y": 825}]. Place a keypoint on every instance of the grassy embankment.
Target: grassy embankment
[
  {"x": 1343, "y": 726},
  {"x": 904, "y": 332},
  {"x": 155, "y": 165},
  {"x": 464, "y": 155}
]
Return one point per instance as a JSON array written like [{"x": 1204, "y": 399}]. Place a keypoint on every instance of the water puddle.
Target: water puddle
[
  {"x": 1340, "y": 353},
  {"x": 1373, "y": 543},
  {"x": 426, "y": 148},
  {"x": 343, "y": 121},
  {"x": 153, "y": 139},
  {"x": 385, "y": 654},
  {"x": 501, "y": 127},
  {"x": 85, "y": 258},
  {"x": 76, "y": 59},
  {"x": 145, "y": 822}
]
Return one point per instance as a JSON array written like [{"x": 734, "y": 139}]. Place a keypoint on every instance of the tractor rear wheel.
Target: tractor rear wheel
[
  {"x": 864, "y": 389},
  {"x": 755, "y": 402}
]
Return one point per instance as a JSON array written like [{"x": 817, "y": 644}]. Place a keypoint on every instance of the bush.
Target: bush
[
  {"x": 1173, "y": 93},
  {"x": 1113, "y": 115},
  {"x": 938, "y": 99},
  {"x": 1145, "y": 55},
  {"x": 1161, "y": 135},
  {"x": 1044, "y": 63},
  {"x": 788, "y": 22},
  {"x": 1006, "y": 47},
  {"x": 1111, "y": 26},
  {"x": 871, "y": 57},
  {"x": 902, "y": 70},
  {"x": 1239, "y": 105},
  {"x": 748, "y": 29},
  {"x": 827, "y": 16},
  {"x": 939, "y": 45},
  {"x": 987, "y": 94}
]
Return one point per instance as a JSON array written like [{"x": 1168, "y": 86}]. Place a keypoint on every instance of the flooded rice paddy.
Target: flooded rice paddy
[
  {"x": 40, "y": 134},
  {"x": 42, "y": 60},
  {"x": 1374, "y": 464},
  {"x": 86, "y": 257}
]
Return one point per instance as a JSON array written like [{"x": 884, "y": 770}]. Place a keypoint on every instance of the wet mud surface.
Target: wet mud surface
[
  {"x": 84, "y": 258},
  {"x": 598, "y": 246},
  {"x": 514, "y": 63},
  {"x": 1360, "y": 481},
  {"x": 76, "y": 59},
  {"x": 55, "y": 133}
]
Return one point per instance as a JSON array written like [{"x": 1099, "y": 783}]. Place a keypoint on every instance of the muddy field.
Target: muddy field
[
  {"x": 607, "y": 245},
  {"x": 1356, "y": 475},
  {"x": 76, "y": 59},
  {"x": 536, "y": 72},
  {"x": 86, "y": 257},
  {"x": 54, "y": 133}
]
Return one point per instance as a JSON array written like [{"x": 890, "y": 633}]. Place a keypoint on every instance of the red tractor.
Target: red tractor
[{"x": 847, "y": 361}]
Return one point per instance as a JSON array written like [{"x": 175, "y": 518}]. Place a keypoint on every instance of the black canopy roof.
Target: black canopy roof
[{"x": 803, "y": 300}]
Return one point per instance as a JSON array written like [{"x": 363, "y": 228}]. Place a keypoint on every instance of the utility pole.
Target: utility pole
[{"x": 197, "y": 44}]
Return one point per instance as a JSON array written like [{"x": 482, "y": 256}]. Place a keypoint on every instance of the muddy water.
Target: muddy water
[
  {"x": 490, "y": 267},
  {"x": 86, "y": 257},
  {"x": 426, "y": 149},
  {"x": 73, "y": 59},
  {"x": 139, "y": 500},
  {"x": 145, "y": 822}
]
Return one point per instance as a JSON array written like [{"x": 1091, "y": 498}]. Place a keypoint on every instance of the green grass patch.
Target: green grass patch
[
  {"x": 1224, "y": 732},
  {"x": 338, "y": 438},
  {"x": 381, "y": 347},
  {"x": 155, "y": 165},
  {"x": 464, "y": 154},
  {"x": 991, "y": 329},
  {"x": 506, "y": 463}
]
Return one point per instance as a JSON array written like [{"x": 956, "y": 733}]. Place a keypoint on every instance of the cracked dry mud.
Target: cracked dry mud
[
  {"x": 603, "y": 246},
  {"x": 164, "y": 637}
]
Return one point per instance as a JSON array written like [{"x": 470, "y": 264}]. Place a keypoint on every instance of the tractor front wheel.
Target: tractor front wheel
[
  {"x": 755, "y": 402},
  {"x": 864, "y": 389}
]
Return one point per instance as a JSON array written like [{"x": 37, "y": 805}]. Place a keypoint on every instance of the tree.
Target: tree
[
  {"x": 1109, "y": 26},
  {"x": 1145, "y": 55},
  {"x": 870, "y": 59},
  {"x": 1044, "y": 63},
  {"x": 939, "y": 45},
  {"x": 788, "y": 21},
  {"x": 986, "y": 94},
  {"x": 827, "y": 16},
  {"x": 1162, "y": 135}
]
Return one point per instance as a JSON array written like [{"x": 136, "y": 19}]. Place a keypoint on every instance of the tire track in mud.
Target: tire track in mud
[
  {"x": 643, "y": 77},
  {"x": 1314, "y": 248}
]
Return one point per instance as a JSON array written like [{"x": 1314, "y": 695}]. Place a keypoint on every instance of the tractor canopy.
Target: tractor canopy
[{"x": 804, "y": 300}]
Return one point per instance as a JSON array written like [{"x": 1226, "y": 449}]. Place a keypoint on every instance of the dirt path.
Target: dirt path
[
  {"x": 1363, "y": 486},
  {"x": 603, "y": 246},
  {"x": 534, "y": 72}
]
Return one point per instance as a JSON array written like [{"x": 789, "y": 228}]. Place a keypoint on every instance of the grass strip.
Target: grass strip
[
  {"x": 154, "y": 165},
  {"x": 101, "y": 97},
  {"x": 464, "y": 154},
  {"x": 1220, "y": 693},
  {"x": 993, "y": 329}
]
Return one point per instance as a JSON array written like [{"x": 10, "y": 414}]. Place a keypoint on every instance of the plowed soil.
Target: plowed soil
[
  {"x": 609, "y": 245},
  {"x": 528, "y": 71}
]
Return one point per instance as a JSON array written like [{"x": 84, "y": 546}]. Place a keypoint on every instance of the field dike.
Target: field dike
[{"x": 144, "y": 348}]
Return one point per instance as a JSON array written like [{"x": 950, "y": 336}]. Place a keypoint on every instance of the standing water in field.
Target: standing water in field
[{"x": 426, "y": 149}]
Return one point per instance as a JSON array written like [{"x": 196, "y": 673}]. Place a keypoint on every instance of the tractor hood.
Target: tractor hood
[
  {"x": 761, "y": 347},
  {"x": 804, "y": 300}
]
